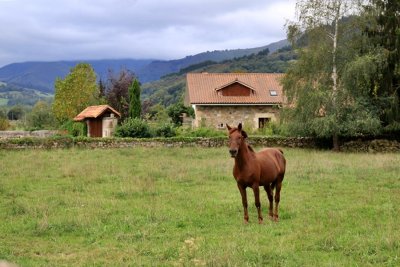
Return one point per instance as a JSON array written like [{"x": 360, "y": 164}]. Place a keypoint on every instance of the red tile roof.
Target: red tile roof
[
  {"x": 202, "y": 88},
  {"x": 94, "y": 112}
]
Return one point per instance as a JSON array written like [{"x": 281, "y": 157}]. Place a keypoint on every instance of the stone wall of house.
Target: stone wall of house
[{"x": 219, "y": 116}]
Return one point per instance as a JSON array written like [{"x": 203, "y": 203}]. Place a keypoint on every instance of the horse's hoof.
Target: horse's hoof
[
  {"x": 260, "y": 221},
  {"x": 276, "y": 219},
  {"x": 246, "y": 222}
]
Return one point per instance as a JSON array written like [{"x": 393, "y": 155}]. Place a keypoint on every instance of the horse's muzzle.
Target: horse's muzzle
[{"x": 233, "y": 152}]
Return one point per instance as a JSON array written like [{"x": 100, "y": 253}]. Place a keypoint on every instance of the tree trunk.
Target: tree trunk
[
  {"x": 335, "y": 141},
  {"x": 334, "y": 75}
]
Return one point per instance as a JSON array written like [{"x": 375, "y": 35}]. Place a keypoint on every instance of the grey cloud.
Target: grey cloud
[{"x": 86, "y": 29}]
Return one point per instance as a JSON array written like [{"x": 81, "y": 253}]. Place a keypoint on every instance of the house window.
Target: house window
[
  {"x": 273, "y": 92},
  {"x": 263, "y": 122}
]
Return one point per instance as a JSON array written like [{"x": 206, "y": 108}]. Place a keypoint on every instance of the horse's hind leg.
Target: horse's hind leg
[
  {"x": 270, "y": 199},
  {"x": 277, "y": 198},
  {"x": 242, "y": 190}
]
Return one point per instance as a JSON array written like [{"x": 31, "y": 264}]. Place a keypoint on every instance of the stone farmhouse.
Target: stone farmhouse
[{"x": 254, "y": 99}]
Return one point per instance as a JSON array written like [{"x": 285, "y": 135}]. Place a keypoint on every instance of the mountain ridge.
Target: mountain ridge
[{"x": 42, "y": 75}]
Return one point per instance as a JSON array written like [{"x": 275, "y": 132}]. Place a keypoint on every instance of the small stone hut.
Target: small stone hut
[
  {"x": 101, "y": 120},
  {"x": 253, "y": 99}
]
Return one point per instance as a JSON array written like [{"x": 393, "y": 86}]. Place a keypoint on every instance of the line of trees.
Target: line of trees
[
  {"x": 80, "y": 89},
  {"x": 346, "y": 79}
]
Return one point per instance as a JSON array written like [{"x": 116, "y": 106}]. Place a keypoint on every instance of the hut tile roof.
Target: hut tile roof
[{"x": 94, "y": 112}]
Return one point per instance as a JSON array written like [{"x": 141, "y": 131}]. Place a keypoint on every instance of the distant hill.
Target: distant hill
[
  {"x": 156, "y": 69},
  {"x": 11, "y": 95},
  {"x": 42, "y": 75}
]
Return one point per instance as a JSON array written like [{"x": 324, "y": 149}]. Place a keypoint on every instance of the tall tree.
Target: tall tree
[
  {"x": 321, "y": 104},
  {"x": 384, "y": 32},
  {"x": 102, "y": 89},
  {"x": 75, "y": 92},
  {"x": 41, "y": 116},
  {"x": 117, "y": 91},
  {"x": 15, "y": 113},
  {"x": 135, "y": 106}
]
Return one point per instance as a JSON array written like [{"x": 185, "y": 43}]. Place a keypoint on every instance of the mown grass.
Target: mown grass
[{"x": 180, "y": 206}]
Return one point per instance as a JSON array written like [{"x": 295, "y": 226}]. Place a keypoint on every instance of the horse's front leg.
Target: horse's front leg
[
  {"x": 256, "y": 191},
  {"x": 242, "y": 190}
]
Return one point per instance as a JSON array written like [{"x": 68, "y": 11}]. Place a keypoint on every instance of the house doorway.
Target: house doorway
[{"x": 263, "y": 122}]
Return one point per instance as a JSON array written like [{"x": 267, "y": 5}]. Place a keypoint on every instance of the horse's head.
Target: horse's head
[{"x": 236, "y": 138}]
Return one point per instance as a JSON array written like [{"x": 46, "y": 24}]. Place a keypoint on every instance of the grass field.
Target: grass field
[{"x": 181, "y": 207}]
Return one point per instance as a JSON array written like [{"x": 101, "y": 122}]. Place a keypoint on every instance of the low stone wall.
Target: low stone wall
[
  {"x": 292, "y": 142},
  {"x": 84, "y": 142},
  {"x": 376, "y": 145},
  {"x": 19, "y": 134}
]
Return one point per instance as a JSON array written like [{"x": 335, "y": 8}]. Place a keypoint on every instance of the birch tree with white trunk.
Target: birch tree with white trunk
[{"x": 322, "y": 30}]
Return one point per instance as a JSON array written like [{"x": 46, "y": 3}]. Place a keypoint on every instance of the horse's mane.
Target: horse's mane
[{"x": 250, "y": 148}]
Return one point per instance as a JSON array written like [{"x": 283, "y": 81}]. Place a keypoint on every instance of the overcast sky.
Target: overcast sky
[{"x": 49, "y": 30}]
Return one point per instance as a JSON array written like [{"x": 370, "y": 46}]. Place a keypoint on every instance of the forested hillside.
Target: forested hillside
[
  {"x": 42, "y": 75},
  {"x": 11, "y": 95},
  {"x": 170, "y": 88}
]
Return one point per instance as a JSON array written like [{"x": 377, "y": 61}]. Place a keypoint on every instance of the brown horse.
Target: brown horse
[{"x": 265, "y": 168}]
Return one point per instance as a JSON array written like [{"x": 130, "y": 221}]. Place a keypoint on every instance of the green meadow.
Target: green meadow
[{"x": 181, "y": 207}]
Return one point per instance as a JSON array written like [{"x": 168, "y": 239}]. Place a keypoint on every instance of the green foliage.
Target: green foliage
[
  {"x": 135, "y": 107},
  {"x": 272, "y": 129},
  {"x": 133, "y": 127},
  {"x": 326, "y": 86},
  {"x": 165, "y": 130},
  {"x": 4, "y": 124},
  {"x": 3, "y": 113},
  {"x": 175, "y": 112},
  {"x": 41, "y": 117},
  {"x": 15, "y": 113},
  {"x": 382, "y": 26},
  {"x": 158, "y": 113},
  {"x": 75, "y": 92},
  {"x": 200, "y": 132},
  {"x": 75, "y": 128}
]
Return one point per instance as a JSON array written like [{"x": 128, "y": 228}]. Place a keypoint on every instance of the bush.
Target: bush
[
  {"x": 41, "y": 117},
  {"x": 165, "y": 130},
  {"x": 200, "y": 132},
  {"x": 272, "y": 128},
  {"x": 133, "y": 128},
  {"x": 75, "y": 128},
  {"x": 4, "y": 124}
]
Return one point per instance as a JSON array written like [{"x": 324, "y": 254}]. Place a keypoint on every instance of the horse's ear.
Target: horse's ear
[
  {"x": 228, "y": 127},
  {"x": 240, "y": 126},
  {"x": 244, "y": 134}
]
